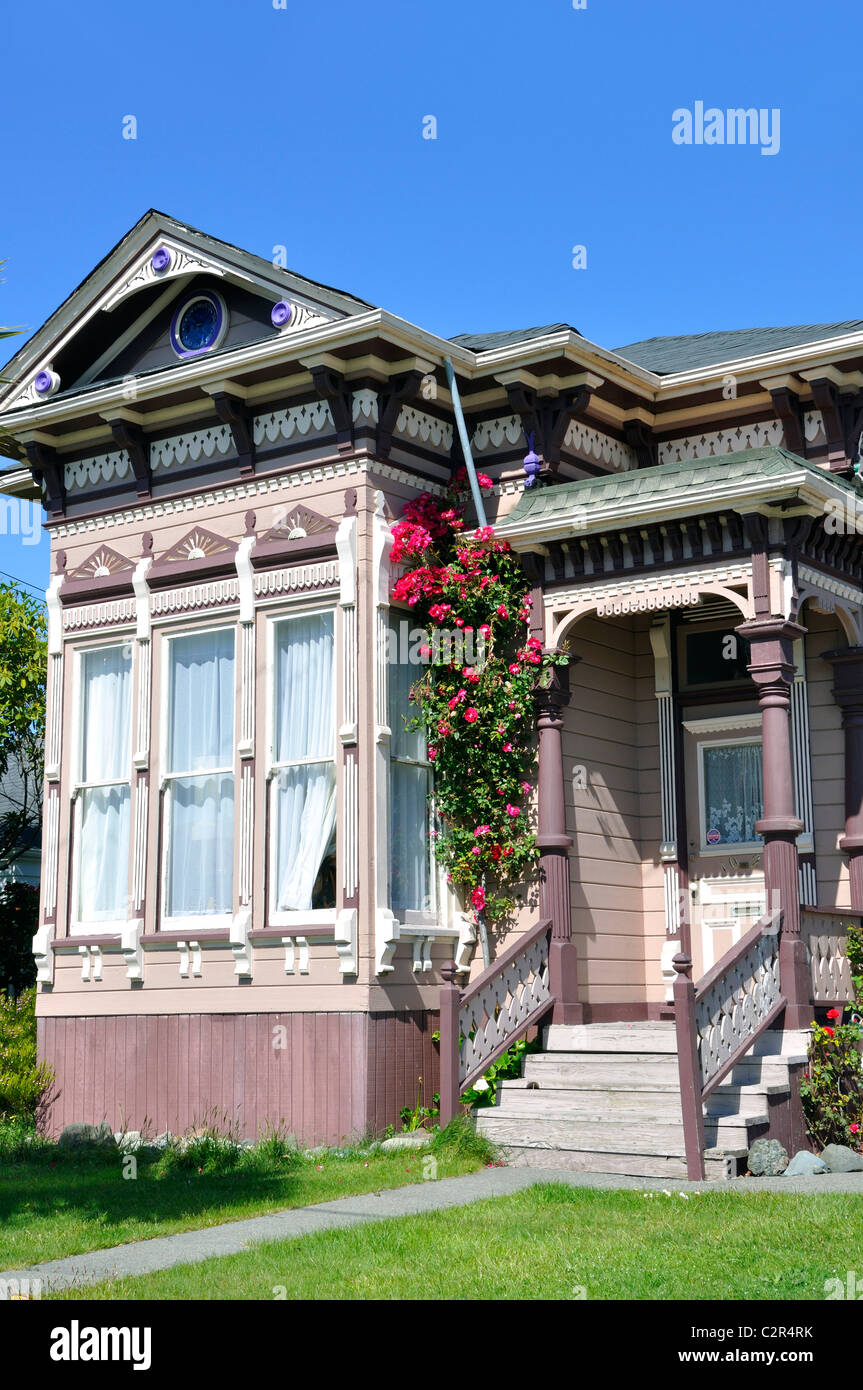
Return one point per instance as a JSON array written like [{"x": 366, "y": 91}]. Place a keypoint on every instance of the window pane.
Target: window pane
[
  {"x": 304, "y": 688},
  {"x": 733, "y": 793},
  {"x": 103, "y": 855},
  {"x": 201, "y": 848},
  {"x": 402, "y": 676},
  {"x": 106, "y": 715},
  {"x": 716, "y": 658},
  {"x": 409, "y": 853},
  {"x": 201, "y": 702},
  {"x": 304, "y": 829}
]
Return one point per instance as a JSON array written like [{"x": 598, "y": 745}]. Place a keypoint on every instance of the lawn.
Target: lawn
[
  {"x": 548, "y": 1242},
  {"x": 47, "y": 1212}
]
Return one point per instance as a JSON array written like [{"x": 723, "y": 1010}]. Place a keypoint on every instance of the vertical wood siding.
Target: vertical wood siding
[{"x": 340, "y": 1075}]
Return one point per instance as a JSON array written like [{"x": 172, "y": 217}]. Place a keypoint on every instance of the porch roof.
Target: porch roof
[{"x": 754, "y": 478}]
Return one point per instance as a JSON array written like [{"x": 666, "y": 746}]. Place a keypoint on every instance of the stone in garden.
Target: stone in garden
[
  {"x": 129, "y": 1142},
  {"x": 767, "y": 1158},
  {"x": 805, "y": 1164},
  {"x": 162, "y": 1140},
  {"x": 82, "y": 1136},
  {"x": 414, "y": 1139},
  {"x": 840, "y": 1159}
]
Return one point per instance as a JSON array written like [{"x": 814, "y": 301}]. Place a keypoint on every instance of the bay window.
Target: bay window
[
  {"x": 411, "y": 877},
  {"x": 302, "y": 766},
  {"x": 103, "y": 789},
  {"x": 198, "y": 776}
]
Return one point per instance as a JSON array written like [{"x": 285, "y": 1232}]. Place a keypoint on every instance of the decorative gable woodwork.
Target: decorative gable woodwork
[
  {"x": 299, "y": 531},
  {"x": 102, "y": 564},
  {"x": 199, "y": 552}
]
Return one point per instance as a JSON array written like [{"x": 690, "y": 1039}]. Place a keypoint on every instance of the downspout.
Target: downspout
[
  {"x": 481, "y": 521},
  {"x": 465, "y": 443}
]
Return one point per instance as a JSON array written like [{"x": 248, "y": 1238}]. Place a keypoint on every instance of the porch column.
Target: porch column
[
  {"x": 772, "y": 670},
  {"x": 847, "y": 666},
  {"x": 551, "y": 696}
]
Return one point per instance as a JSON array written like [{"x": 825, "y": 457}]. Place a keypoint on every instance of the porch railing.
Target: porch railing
[
  {"x": 825, "y": 934},
  {"x": 481, "y": 1022},
  {"x": 719, "y": 1019}
]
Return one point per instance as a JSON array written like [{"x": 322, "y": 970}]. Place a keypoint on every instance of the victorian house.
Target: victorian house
[{"x": 241, "y": 911}]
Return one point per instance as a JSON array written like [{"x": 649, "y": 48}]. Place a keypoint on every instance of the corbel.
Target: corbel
[
  {"x": 390, "y": 400},
  {"x": 131, "y": 438},
  {"x": 331, "y": 386},
  {"x": 548, "y": 419},
  {"x": 786, "y": 403},
  {"x": 756, "y": 530},
  {"x": 232, "y": 412},
  {"x": 825, "y": 394},
  {"x": 639, "y": 437},
  {"x": 48, "y": 470}
]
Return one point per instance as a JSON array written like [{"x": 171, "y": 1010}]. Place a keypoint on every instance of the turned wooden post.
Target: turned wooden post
[
  {"x": 847, "y": 666},
  {"x": 551, "y": 696},
  {"x": 450, "y": 1008},
  {"x": 689, "y": 1066},
  {"x": 772, "y": 670}
]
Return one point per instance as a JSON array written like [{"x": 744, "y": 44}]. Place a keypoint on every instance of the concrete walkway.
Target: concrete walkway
[{"x": 189, "y": 1247}]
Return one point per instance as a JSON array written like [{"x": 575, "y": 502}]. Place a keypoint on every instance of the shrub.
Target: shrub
[
  {"x": 508, "y": 1067},
  {"x": 855, "y": 956},
  {"x": 25, "y": 1083},
  {"x": 832, "y": 1085}
]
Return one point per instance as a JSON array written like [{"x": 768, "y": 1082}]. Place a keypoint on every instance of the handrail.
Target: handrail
[
  {"x": 720, "y": 1018},
  {"x": 481, "y": 1022}
]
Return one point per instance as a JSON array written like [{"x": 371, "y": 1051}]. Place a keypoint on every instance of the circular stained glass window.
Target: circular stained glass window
[{"x": 199, "y": 325}]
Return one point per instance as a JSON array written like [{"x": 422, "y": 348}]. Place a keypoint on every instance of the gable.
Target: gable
[{"x": 118, "y": 322}]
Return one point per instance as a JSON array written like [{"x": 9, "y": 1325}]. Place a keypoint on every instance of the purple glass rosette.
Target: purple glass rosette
[
  {"x": 282, "y": 313},
  {"x": 45, "y": 382},
  {"x": 160, "y": 260}
]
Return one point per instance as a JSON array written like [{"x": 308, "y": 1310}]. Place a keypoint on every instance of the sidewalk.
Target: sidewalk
[{"x": 189, "y": 1247}]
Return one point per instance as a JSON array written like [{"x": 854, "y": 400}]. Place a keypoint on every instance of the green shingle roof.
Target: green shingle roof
[
  {"x": 485, "y": 342},
  {"x": 654, "y": 485},
  {"x": 666, "y": 355}
]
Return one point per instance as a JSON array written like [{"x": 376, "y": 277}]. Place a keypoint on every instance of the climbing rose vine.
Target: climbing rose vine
[{"x": 474, "y": 704}]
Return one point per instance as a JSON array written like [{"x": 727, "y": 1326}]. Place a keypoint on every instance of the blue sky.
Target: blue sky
[{"x": 303, "y": 126}]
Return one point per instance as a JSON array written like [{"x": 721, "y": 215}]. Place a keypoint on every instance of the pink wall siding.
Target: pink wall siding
[{"x": 339, "y": 1075}]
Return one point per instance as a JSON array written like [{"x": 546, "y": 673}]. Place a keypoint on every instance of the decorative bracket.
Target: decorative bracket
[
  {"x": 131, "y": 438},
  {"x": 639, "y": 437},
  {"x": 43, "y": 953},
  {"x": 240, "y": 945},
  {"x": 133, "y": 951},
  {"x": 390, "y": 401},
  {"x": 233, "y": 413},
  {"x": 547, "y": 419},
  {"x": 331, "y": 386},
  {"x": 787, "y": 407},
  {"x": 346, "y": 940},
  {"x": 47, "y": 469}
]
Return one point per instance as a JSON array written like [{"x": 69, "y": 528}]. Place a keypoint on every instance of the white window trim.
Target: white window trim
[
  {"x": 204, "y": 921},
  {"x": 114, "y": 926},
  {"x": 738, "y": 846},
  {"x": 292, "y": 917},
  {"x": 420, "y": 919}
]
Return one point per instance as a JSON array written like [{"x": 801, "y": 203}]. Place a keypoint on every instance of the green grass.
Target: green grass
[
  {"x": 546, "y": 1243},
  {"x": 51, "y": 1208}
]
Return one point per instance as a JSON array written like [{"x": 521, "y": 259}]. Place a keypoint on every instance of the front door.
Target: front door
[{"x": 724, "y": 799}]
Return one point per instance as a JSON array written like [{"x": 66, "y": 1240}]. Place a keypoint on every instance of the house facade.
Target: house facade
[{"x": 241, "y": 911}]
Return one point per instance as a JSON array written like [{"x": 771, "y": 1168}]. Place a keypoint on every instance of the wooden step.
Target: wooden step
[
  {"x": 544, "y": 1132},
  {"x": 613, "y": 1107},
  {"x": 743, "y": 1100},
  {"x": 643, "y": 1038},
  {"x": 717, "y": 1167},
  {"x": 603, "y": 1071}
]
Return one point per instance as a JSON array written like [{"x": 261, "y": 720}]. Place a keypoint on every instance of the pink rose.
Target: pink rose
[
  {"x": 513, "y": 810},
  {"x": 471, "y": 714}
]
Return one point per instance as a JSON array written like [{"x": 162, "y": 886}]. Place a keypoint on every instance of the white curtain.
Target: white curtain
[
  {"x": 410, "y": 787},
  {"x": 201, "y": 810},
  {"x": 103, "y": 854},
  {"x": 734, "y": 792},
  {"x": 305, "y": 794},
  {"x": 106, "y": 713},
  {"x": 103, "y": 820}
]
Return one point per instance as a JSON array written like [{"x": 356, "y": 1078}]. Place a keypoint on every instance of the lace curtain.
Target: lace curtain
[
  {"x": 103, "y": 824},
  {"x": 733, "y": 793}
]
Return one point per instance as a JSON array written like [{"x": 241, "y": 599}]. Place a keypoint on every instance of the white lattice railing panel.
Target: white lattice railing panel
[
  {"x": 733, "y": 1007},
  {"x": 498, "y": 1012},
  {"x": 826, "y": 938}
]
